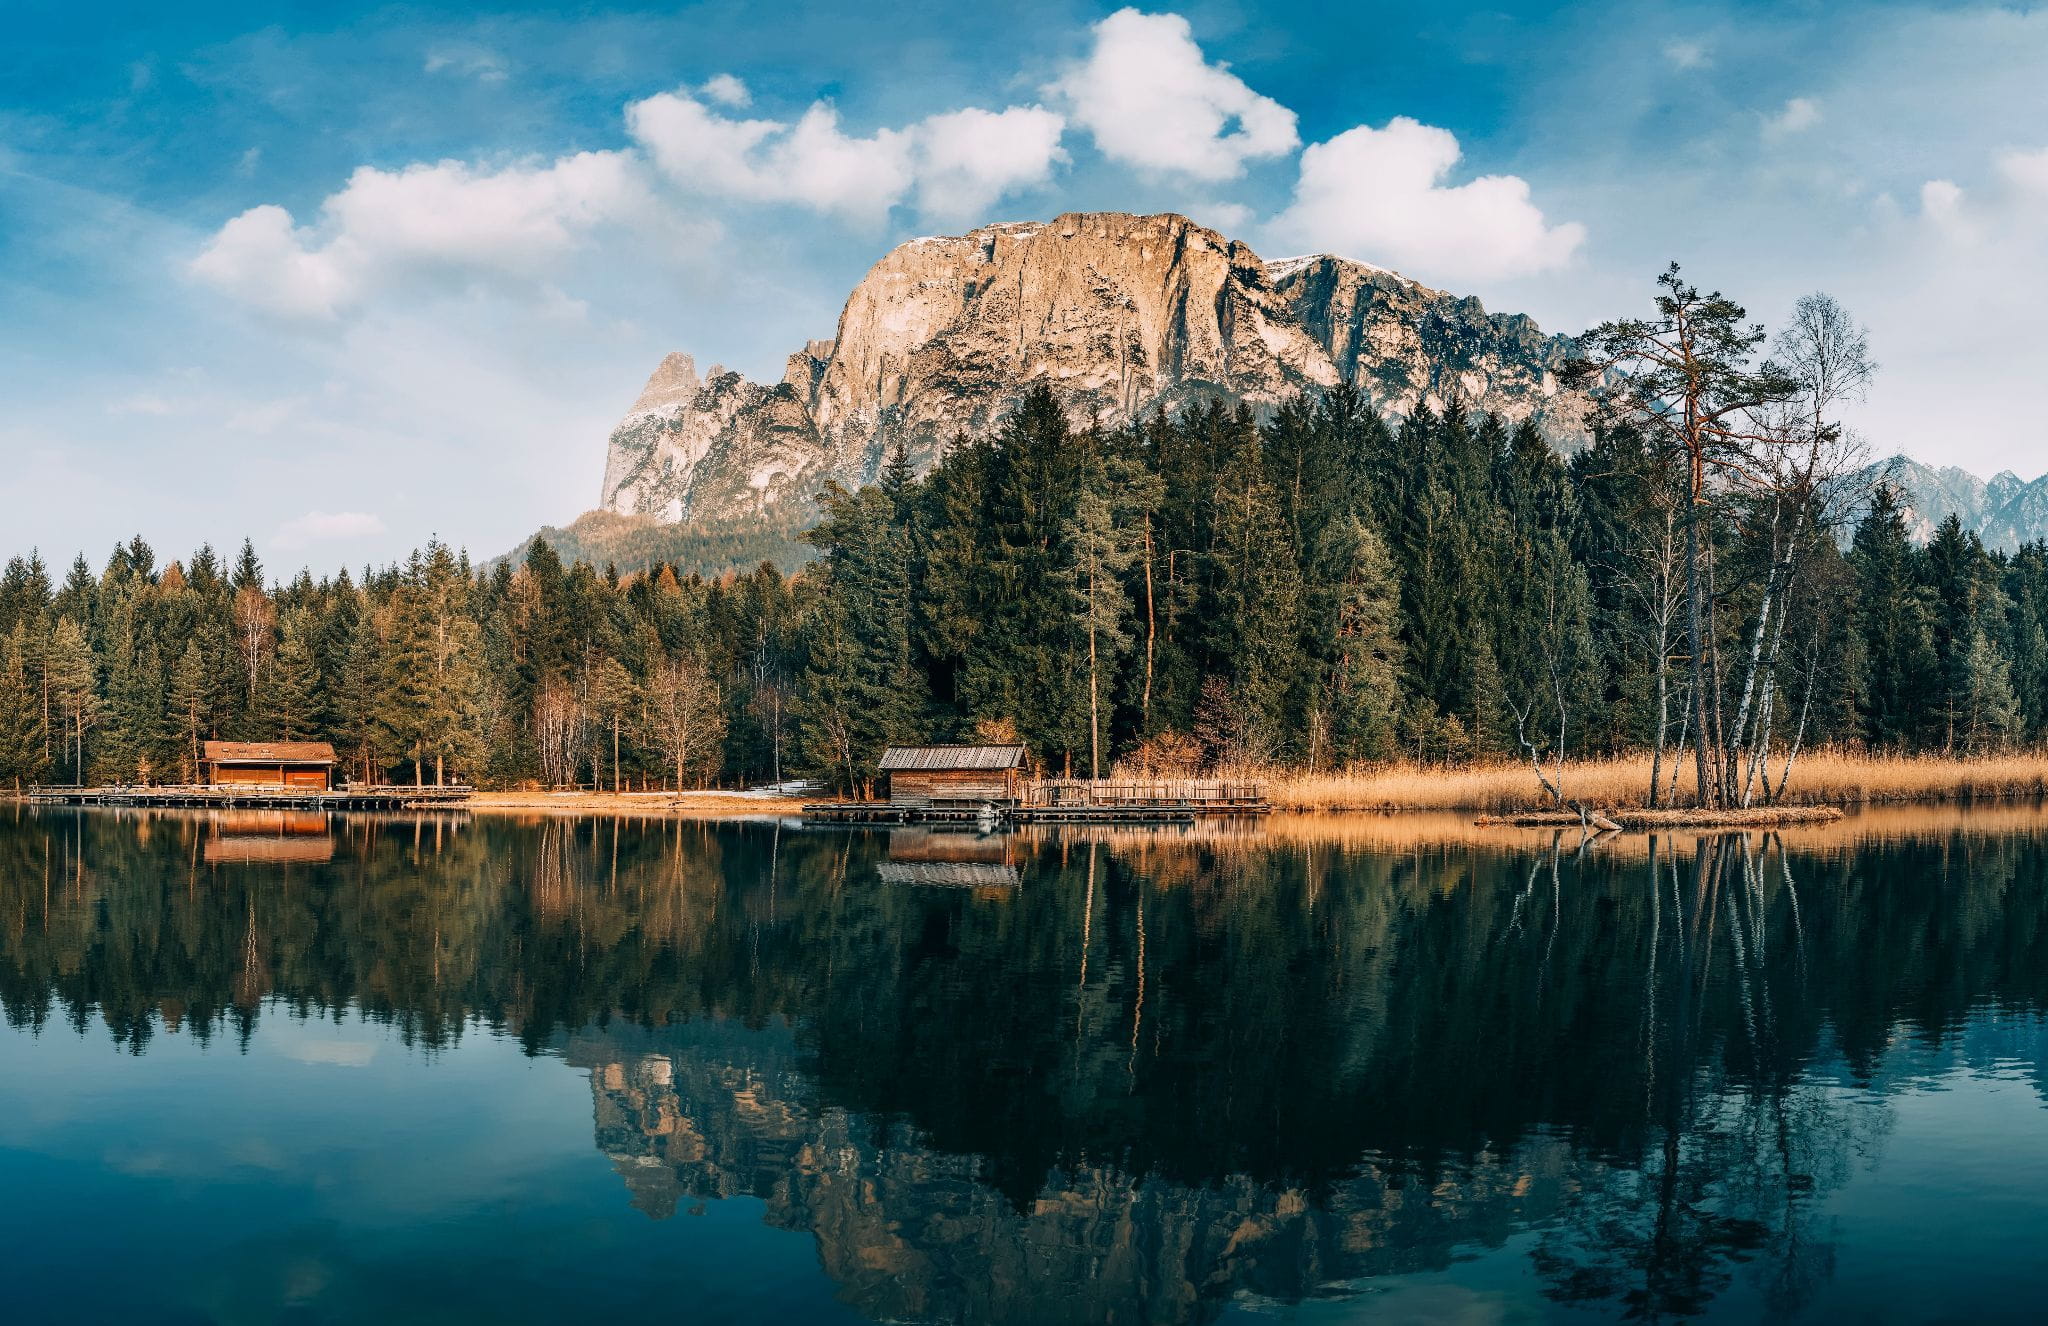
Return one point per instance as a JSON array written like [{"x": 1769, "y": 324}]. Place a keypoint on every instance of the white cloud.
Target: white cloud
[
  {"x": 1378, "y": 195},
  {"x": 1941, "y": 201},
  {"x": 441, "y": 218},
  {"x": 958, "y": 162},
  {"x": 1150, "y": 100},
  {"x": 1230, "y": 218},
  {"x": 1798, "y": 115},
  {"x": 811, "y": 162},
  {"x": 2026, "y": 172},
  {"x": 1688, "y": 54},
  {"x": 326, "y": 527},
  {"x": 261, "y": 259},
  {"x": 727, "y": 90},
  {"x": 967, "y": 159}
]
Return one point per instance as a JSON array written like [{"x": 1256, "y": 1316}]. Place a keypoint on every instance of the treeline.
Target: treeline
[{"x": 1316, "y": 589}]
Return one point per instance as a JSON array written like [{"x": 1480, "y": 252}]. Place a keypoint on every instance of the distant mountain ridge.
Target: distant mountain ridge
[
  {"x": 2005, "y": 510},
  {"x": 1120, "y": 313}
]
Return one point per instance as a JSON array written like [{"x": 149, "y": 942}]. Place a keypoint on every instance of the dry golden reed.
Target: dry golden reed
[{"x": 1834, "y": 778}]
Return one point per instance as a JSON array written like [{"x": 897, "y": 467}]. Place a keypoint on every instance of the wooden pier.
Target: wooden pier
[
  {"x": 1061, "y": 801},
  {"x": 353, "y": 796}
]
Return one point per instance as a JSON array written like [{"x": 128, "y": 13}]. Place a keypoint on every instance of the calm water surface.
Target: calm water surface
[{"x": 331, "y": 1069}]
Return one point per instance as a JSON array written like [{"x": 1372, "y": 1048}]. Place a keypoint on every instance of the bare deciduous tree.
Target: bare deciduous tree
[{"x": 685, "y": 721}]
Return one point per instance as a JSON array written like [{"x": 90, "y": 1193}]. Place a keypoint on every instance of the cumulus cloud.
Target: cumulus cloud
[
  {"x": 1149, "y": 99},
  {"x": 1941, "y": 201},
  {"x": 1379, "y": 194},
  {"x": 811, "y": 162},
  {"x": 2005, "y": 213},
  {"x": 326, "y": 527},
  {"x": 727, "y": 90},
  {"x": 958, "y": 162},
  {"x": 967, "y": 159},
  {"x": 446, "y": 217},
  {"x": 1799, "y": 114}
]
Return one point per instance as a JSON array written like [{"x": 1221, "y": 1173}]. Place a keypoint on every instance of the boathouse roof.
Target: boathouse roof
[
  {"x": 929, "y": 758},
  {"x": 269, "y": 752}
]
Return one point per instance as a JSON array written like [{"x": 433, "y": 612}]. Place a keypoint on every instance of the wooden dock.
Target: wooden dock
[
  {"x": 1062, "y": 801},
  {"x": 354, "y": 796}
]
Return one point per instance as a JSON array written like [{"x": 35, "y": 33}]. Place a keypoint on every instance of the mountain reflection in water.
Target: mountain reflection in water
[{"x": 1134, "y": 1076}]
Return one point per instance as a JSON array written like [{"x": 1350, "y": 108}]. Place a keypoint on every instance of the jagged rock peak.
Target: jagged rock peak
[
  {"x": 2006, "y": 512},
  {"x": 672, "y": 384},
  {"x": 1120, "y": 313}
]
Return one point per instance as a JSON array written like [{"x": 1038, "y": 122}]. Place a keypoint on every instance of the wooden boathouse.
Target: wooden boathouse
[
  {"x": 307, "y": 765},
  {"x": 940, "y": 776},
  {"x": 987, "y": 785},
  {"x": 282, "y": 775}
]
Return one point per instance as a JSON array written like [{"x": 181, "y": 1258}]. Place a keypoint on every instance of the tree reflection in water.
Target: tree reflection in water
[{"x": 1075, "y": 1071}]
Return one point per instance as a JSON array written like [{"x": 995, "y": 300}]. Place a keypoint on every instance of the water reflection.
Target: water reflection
[{"x": 1069, "y": 1076}]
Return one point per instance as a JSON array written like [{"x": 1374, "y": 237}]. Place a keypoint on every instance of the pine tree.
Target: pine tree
[
  {"x": 24, "y": 739},
  {"x": 294, "y": 694},
  {"x": 1101, "y": 556},
  {"x": 74, "y": 689},
  {"x": 1990, "y": 710},
  {"x": 1360, "y": 691},
  {"x": 191, "y": 708},
  {"x": 1901, "y": 686},
  {"x": 614, "y": 698}
]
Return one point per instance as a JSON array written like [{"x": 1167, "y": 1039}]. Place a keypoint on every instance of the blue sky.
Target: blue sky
[{"x": 341, "y": 277}]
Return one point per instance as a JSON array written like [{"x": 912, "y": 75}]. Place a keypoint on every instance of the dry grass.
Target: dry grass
[
  {"x": 1756, "y": 817},
  {"x": 687, "y": 805},
  {"x": 1835, "y": 778}
]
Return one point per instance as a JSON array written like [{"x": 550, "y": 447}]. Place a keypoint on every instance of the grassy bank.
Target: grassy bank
[
  {"x": 688, "y": 805},
  {"x": 1829, "y": 778}
]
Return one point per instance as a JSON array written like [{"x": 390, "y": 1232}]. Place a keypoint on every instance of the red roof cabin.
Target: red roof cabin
[{"x": 299, "y": 765}]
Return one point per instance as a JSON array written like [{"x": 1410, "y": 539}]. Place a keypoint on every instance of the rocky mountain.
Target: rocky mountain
[
  {"x": 1120, "y": 313},
  {"x": 2005, "y": 510}
]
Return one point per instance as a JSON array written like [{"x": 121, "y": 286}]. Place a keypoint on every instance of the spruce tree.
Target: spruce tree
[
  {"x": 1900, "y": 688},
  {"x": 24, "y": 739}
]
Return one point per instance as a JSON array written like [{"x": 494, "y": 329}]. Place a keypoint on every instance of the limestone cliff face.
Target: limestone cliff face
[
  {"x": 1118, "y": 313},
  {"x": 1404, "y": 344}
]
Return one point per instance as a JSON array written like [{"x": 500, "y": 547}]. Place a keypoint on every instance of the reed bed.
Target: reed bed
[{"x": 1830, "y": 778}]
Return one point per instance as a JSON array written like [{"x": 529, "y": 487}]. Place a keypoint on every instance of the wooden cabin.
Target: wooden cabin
[
  {"x": 298, "y": 765},
  {"x": 936, "y": 775}
]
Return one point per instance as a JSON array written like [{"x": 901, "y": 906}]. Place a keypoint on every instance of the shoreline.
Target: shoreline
[
  {"x": 676, "y": 805},
  {"x": 1649, "y": 821},
  {"x": 1826, "y": 786}
]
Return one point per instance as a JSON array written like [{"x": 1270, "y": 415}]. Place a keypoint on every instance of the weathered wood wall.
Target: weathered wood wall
[{"x": 919, "y": 786}]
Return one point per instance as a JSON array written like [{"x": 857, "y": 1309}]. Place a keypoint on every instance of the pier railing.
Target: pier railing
[
  {"x": 351, "y": 796},
  {"x": 1193, "y": 793}
]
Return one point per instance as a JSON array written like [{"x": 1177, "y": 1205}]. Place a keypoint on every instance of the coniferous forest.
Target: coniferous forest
[{"x": 1316, "y": 588}]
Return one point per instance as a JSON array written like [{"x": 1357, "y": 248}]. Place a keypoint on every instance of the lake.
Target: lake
[{"x": 265, "y": 1066}]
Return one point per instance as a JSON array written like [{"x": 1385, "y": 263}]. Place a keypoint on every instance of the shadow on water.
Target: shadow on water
[{"x": 1069, "y": 1076}]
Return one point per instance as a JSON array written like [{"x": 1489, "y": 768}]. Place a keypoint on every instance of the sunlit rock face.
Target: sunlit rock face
[{"x": 1119, "y": 314}]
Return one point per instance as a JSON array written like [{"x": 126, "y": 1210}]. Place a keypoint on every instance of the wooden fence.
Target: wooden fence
[{"x": 1192, "y": 793}]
